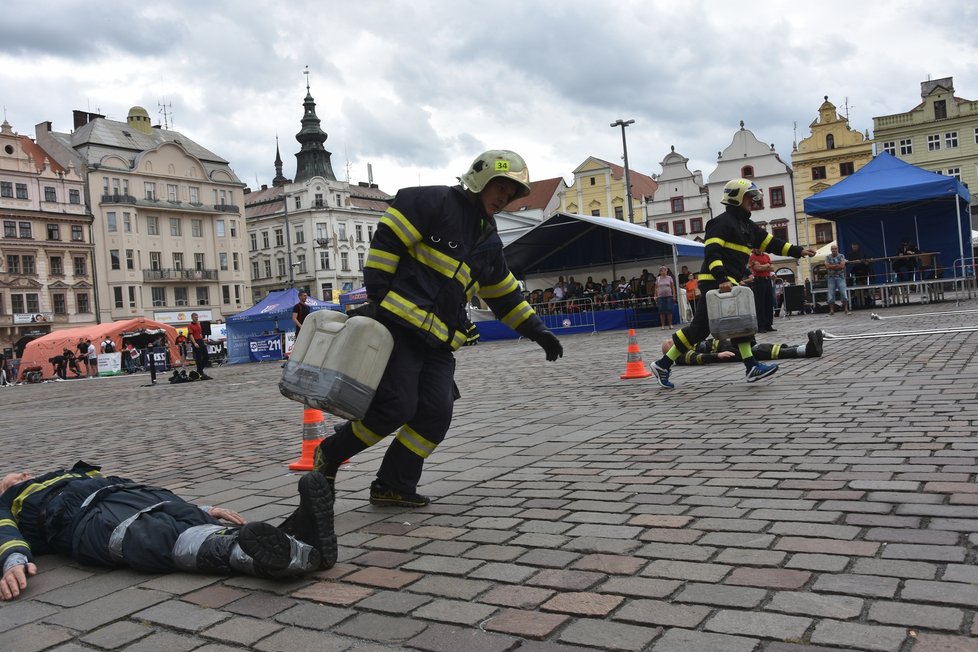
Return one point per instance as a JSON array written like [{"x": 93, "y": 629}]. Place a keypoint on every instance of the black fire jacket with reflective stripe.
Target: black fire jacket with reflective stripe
[
  {"x": 37, "y": 516},
  {"x": 730, "y": 236},
  {"x": 434, "y": 249}
]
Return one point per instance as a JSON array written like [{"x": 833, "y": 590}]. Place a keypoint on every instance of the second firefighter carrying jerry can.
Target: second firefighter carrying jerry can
[
  {"x": 732, "y": 314},
  {"x": 337, "y": 363}
]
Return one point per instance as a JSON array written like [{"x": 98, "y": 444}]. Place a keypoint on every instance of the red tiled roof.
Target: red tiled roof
[
  {"x": 541, "y": 192},
  {"x": 39, "y": 155},
  {"x": 642, "y": 185}
]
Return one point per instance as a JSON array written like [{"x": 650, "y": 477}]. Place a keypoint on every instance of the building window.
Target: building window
[
  {"x": 178, "y": 260},
  {"x": 696, "y": 225},
  {"x": 197, "y": 228},
  {"x": 780, "y": 230},
  {"x": 301, "y": 264},
  {"x": 954, "y": 172},
  {"x": 81, "y": 268},
  {"x": 13, "y": 264},
  {"x": 236, "y": 264},
  {"x": 6, "y": 189},
  {"x": 199, "y": 261},
  {"x": 255, "y": 271},
  {"x": 890, "y": 147},
  {"x": 117, "y": 297},
  {"x": 194, "y": 195},
  {"x": 823, "y": 233},
  {"x": 370, "y": 232},
  {"x": 940, "y": 109},
  {"x": 254, "y": 241},
  {"x": 77, "y": 235},
  {"x": 27, "y": 262},
  {"x": 280, "y": 264},
  {"x": 592, "y": 180},
  {"x": 153, "y": 225},
  {"x": 54, "y": 232},
  {"x": 322, "y": 233},
  {"x": 360, "y": 261},
  {"x": 21, "y": 191},
  {"x": 679, "y": 227},
  {"x": 830, "y": 141},
  {"x": 132, "y": 296},
  {"x": 846, "y": 168},
  {"x": 180, "y": 296},
  {"x": 57, "y": 267},
  {"x": 951, "y": 139},
  {"x": 298, "y": 203},
  {"x": 81, "y": 301},
  {"x": 25, "y": 230},
  {"x": 126, "y": 222},
  {"x": 149, "y": 190},
  {"x": 156, "y": 260},
  {"x": 226, "y": 293},
  {"x": 818, "y": 172},
  {"x": 300, "y": 235},
  {"x": 678, "y": 204},
  {"x": 59, "y": 303},
  {"x": 597, "y": 213},
  {"x": 619, "y": 213},
  {"x": 777, "y": 196},
  {"x": 358, "y": 231},
  {"x": 49, "y": 194},
  {"x": 747, "y": 171},
  {"x": 341, "y": 227},
  {"x": 9, "y": 229},
  {"x": 662, "y": 226},
  {"x": 264, "y": 239},
  {"x": 933, "y": 142},
  {"x": 203, "y": 296},
  {"x": 268, "y": 269},
  {"x": 344, "y": 261},
  {"x": 223, "y": 258},
  {"x": 114, "y": 257},
  {"x": 318, "y": 200},
  {"x": 21, "y": 303},
  {"x": 130, "y": 259},
  {"x": 219, "y": 228},
  {"x": 234, "y": 228},
  {"x": 175, "y": 226},
  {"x": 323, "y": 260},
  {"x": 159, "y": 296},
  {"x": 171, "y": 192},
  {"x": 111, "y": 224},
  {"x": 279, "y": 237},
  {"x": 976, "y": 135},
  {"x": 906, "y": 146}
]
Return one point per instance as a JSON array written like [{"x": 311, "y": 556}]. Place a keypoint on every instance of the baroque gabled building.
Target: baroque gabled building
[
  {"x": 832, "y": 152},
  {"x": 312, "y": 233},
  {"x": 168, "y": 229},
  {"x": 680, "y": 205},
  {"x": 599, "y": 189},
  {"x": 939, "y": 134},
  {"x": 46, "y": 264}
]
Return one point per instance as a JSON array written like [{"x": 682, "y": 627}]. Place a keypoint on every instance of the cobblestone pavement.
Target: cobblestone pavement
[{"x": 834, "y": 507}]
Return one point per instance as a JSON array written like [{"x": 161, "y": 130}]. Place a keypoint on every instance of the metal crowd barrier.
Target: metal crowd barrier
[{"x": 567, "y": 314}]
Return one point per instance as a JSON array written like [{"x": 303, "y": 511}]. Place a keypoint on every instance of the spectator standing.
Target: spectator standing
[
  {"x": 82, "y": 356},
  {"x": 906, "y": 265},
  {"x": 692, "y": 291},
  {"x": 762, "y": 269},
  {"x": 108, "y": 346},
  {"x": 92, "y": 356},
  {"x": 664, "y": 295},
  {"x": 683, "y": 276},
  {"x": 300, "y": 311},
  {"x": 195, "y": 334},
  {"x": 835, "y": 264}
]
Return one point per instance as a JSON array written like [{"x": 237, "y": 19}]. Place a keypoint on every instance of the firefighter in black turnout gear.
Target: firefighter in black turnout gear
[
  {"x": 434, "y": 249},
  {"x": 112, "y": 521},
  {"x": 730, "y": 236},
  {"x": 712, "y": 350}
]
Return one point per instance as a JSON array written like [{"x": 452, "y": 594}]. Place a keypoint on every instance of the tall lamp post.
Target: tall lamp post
[
  {"x": 624, "y": 146},
  {"x": 288, "y": 241}
]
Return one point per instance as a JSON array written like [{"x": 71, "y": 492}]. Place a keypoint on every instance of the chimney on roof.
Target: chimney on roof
[
  {"x": 264, "y": 186},
  {"x": 82, "y": 118}
]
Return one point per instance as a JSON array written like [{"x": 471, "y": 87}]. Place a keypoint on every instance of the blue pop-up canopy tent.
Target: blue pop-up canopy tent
[
  {"x": 889, "y": 201},
  {"x": 273, "y": 314},
  {"x": 354, "y": 297}
]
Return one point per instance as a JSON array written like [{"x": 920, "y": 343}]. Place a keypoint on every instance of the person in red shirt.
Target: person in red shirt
[
  {"x": 763, "y": 271},
  {"x": 196, "y": 335}
]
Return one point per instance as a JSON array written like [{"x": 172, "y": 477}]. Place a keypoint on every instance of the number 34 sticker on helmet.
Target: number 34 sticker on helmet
[{"x": 497, "y": 163}]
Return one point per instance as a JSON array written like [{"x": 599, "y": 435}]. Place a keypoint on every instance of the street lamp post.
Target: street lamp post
[
  {"x": 288, "y": 241},
  {"x": 624, "y": 146}
]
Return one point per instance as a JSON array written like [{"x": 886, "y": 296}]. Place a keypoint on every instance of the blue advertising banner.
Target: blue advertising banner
[{"x": 265, "y": 347}]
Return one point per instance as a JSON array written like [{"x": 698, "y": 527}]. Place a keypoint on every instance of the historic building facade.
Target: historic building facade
[
  {"x": 680, "y": 205},
  {"x": 312, "y": 233},
  {"x": 168, "y": 228},
  {"x": 939, "y": 134},
  {"x": 831, "y": 152},
  {"x": 599, "y": 189},
  {"x": 46, "y": 264}
]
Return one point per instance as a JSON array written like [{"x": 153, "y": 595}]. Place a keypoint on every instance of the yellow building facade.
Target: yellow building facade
[
  {"x": 832, "y": 152},
  {"x": 599, "y": 189}
]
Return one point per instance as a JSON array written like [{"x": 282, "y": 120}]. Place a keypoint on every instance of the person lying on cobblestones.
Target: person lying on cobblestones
[
  {"x": 112, "y": 521},
  {"x": 712, "y": 350},
  {"x": 435, "y": 248}
]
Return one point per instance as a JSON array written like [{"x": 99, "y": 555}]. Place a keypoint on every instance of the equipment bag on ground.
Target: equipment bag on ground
[
  {"x": 337, "y": 363},
  {"x": 732, "y": 314}
]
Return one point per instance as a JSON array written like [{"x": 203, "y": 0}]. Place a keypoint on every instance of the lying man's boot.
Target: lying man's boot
[
  {"x": 814, "y": 347},
  {"x": 258, "y": 549},
  {"x": 312, "y": 521},
  {"x": 383, "y": 495}
]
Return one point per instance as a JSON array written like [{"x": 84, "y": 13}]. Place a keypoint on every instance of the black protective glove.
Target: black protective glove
[
  {"x": 550, "y": 344},
  {"x": 471, "y": 334}
]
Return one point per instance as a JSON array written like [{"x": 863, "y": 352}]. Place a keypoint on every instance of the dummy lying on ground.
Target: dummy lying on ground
[
  {"x": 112, "y": 521},
  {"x": 711, "y": 350}
]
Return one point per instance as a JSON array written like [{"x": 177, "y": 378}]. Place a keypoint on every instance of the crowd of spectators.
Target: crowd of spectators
[{"x": 570, "y": 295}]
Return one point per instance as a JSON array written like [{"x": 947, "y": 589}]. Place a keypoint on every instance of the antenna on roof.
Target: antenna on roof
[
  {"x": 166, "y": 110},
  {"x": 846, "y": 106}
]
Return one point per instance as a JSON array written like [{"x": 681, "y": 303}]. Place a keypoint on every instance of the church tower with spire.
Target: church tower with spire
[
  {"x": 313, "y": 159},
  {"x": 279, "y": 179}
]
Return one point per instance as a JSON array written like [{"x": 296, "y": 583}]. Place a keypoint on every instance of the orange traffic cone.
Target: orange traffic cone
[
  {"x": 634, "y": 368},
  {"x": 313, "y": 432}
]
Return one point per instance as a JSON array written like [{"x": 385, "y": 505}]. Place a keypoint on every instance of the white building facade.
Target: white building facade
[{"x": 681, "y": 204}]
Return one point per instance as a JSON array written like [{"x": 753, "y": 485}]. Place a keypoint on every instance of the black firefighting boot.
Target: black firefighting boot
[
  {"x": 312, "y": 521},
  {"x": 258, "y": 549}
]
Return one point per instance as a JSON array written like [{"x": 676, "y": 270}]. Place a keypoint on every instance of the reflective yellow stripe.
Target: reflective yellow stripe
[
  {"x": 766, "y": 242},
  {"x": 518, "y": 315},
  {"x": 682, "y": 338},
  {"x": 459, "y": 339},
  {"x": 775, "y": 351},
  {"x": 786, "y": 249},
  {"x": 33, "y": 488},
  {"x": 415, "y": 316},
  {"x": 715, "y": 264},
  {"x": 365, "y": 434},
  {"x": 500, "y": 289},
  {"x": 7, "y": 521},
  {"x": 442, "y": 263},
  {"x": 382, "y": 260},
  {"x": 401, "y": 226},
  {"x": 736, "y": 247},
  {"x": 415, "y": 442},
  {"x": 13, "y": 543},
  {"x": 472, "y": 290},
  {"x": 705, "y": 277},
  {"x": 716, "y": 241},
  {"x": 715, "y": 346}
]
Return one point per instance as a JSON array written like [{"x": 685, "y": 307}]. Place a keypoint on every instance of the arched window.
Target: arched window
[
  {"x": 830, "y": 142},
  {"x": 747, "y": 171}
]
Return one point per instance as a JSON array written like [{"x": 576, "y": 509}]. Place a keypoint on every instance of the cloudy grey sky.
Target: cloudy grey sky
[{"x": 418, "y": 88}]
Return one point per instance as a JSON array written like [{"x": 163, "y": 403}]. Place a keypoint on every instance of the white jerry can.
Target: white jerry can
[
  {"x": 732, "y": 314},
  {"x": 337, "y": 363}
]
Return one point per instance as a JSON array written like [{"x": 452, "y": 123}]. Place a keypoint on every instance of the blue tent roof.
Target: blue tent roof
[
  {"x": 883, "y": 181},
  {"x": 277, "y": 304}
]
